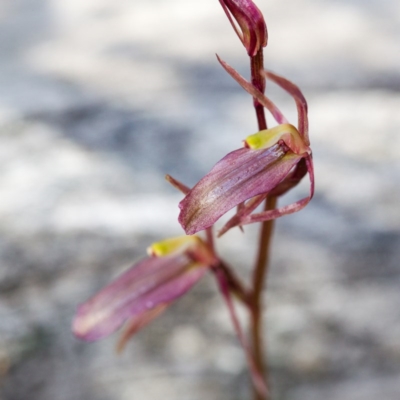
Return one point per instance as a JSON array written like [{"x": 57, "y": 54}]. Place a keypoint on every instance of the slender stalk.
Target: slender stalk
[
  {"x": 236, "y": 285},
  {"x": 259, "y": 279},
  {"x": 258, "y": 80},
  {"x": 261, "y": 266}
]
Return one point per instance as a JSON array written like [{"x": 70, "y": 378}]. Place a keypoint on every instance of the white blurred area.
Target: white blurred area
[{"x": 99, "y": 99}]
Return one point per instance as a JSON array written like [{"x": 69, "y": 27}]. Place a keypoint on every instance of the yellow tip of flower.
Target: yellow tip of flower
[
  {"x": 285, "y": 132},
  {"x": 269, "y": 137},
  {"x": 172, "y": 245}
]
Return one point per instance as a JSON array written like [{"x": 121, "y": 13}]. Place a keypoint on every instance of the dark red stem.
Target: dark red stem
[{"x": 261, "y": 266}]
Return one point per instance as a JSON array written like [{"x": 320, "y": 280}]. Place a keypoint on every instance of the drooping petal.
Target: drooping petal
[
  {"x": 240, "y": 175},
  {"x": 247, "y": 209},
  {"x": 244, "y": 216},
  {"x": 285, "y": 210},
  {"x": 152, "y": 282},
  {"x": 138, "y": 322}
]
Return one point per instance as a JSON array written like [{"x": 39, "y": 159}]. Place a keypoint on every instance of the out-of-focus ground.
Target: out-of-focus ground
[{"x": 99, "y": 99}]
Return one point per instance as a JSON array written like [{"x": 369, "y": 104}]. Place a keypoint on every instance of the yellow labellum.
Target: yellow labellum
[
  {"x": 172, "y": 245},
  {"x": 269, "y": 137}
]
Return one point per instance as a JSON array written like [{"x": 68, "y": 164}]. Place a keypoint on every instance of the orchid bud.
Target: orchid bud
[
  {"x": 142, "y": 292},
  {"x": 252, "y": 30}
]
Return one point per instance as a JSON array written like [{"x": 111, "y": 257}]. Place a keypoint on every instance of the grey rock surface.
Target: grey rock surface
[{"x": 98, "y": 100}]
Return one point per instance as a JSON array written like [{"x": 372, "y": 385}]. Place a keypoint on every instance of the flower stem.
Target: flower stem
[
  {"x": 259, "y": 278},
  {"x": 258, "y": 80},
  {"x": 261, "y": 266},
  {"x": 236, "y": 286}
]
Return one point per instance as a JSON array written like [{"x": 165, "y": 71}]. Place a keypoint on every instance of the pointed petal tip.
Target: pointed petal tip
[
  {"x": 90, "y": 326},
  {"x": 186, "y": 224},
  {"x": 192, "y": 227},
  {"x": 188, "y": 228},
  {"x": 81, "y": 331}
]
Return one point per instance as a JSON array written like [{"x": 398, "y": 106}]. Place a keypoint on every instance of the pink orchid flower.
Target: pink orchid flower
[
  {"x": 271, "y": 163},
  {"x": 141, "y": 293}
]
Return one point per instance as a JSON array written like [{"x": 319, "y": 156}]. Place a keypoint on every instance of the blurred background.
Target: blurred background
[{"x": 99, "y": 99}]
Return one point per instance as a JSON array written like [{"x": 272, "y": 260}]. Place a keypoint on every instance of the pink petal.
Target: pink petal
[
  {"x": 151, "y": 282},
  {"x": 285, "y": 210},
  {"x": 138, "y": 322},
  {"x": 247, "y": 208},
  {"x": 240, "y": 175},
  {"x": 301, "y": 103},
  {"x": 251, "y": 89}
]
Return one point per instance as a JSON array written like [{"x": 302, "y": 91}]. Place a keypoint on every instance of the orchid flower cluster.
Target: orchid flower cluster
[{"x": 270, "y": 163}]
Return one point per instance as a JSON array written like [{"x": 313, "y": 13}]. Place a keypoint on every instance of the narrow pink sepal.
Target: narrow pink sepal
[
  {"x": 247, "y": 208},
  {"x": 176, "y": 184},
  {"x": 251, "y": 89},
  {"x": 138, "y": 322},
  {"x": 148, "y": 284},
  {"x": 301, "y": 103},
  {"x": 239, "y": 176}
]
